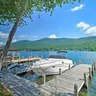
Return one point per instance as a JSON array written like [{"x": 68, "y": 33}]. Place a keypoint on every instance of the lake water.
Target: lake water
[{"x": 85, "y": 56}]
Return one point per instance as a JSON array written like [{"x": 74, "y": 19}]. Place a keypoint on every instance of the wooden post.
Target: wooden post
[
  {"x": 29, "y": 58},
  {"x": 95, "y": 66},
  {"x": 59, "y": 71},
  {"x": 92, "y": 69},
  {"x": 85, "y": 81},
  {"x": 15, "y": 70},
  {"x": 80, "y": 62},
  {"x": 75, "y": 90},
  {"x": 44, "y": 76},
  {"x": 22, "y": 57},
  {"x": 1, "y": 63},
  {"x": 90, "y": 74},
  {"x": 12, "y": 57},
  {"x": 69, "y": 67},
  {"x": 74, "y": 64},
  {"x": 18, "y": 59},
  {"x": 37, "y": 56},
  {"x": 42, "y": 56}
]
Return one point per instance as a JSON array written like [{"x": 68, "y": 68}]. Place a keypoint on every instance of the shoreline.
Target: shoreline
[{"x": 55, "y": 51}]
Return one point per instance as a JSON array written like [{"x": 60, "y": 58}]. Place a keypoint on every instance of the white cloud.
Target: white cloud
[
  {"x": 3, "y": 35},
  {"x": 35, "y": 36},
  {"x": 77, "y": 8},
  {"x": 91, "y": 31},
  {"x": 88, "y": 29},
  {"x": 14, "y": 40},
  {"x": 83, "y": 25},
  {"x": 23, "y": 36},
  {"x": 52, "y": 36}
]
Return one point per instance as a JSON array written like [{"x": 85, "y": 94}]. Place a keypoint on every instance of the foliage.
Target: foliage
[
  {"x": 87, "y": 43},
  {"x": 15, "y": 11},
  {"x": 83, "y": 92},
  {"x": 9, "y": 9},
  {"x": 40, "y": 81},
  {"x": 3, "y": 92}
]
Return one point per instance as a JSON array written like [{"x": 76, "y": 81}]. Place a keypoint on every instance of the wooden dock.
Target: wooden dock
[
  {"x": 8, "y": 62},
  {"x": 11, "y": 57},
  {"x": 19, "y": 86},
  {"x": 62, "y": 85}
]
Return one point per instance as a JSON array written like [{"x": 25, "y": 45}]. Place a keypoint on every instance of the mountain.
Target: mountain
[{"x": 85, "y": 43}]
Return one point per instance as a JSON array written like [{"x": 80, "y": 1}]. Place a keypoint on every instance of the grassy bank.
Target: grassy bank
[
  {"x": 83, "y": 92},
  {"x": 40, "y": 80},
  {"x": 4, "y": 92}
]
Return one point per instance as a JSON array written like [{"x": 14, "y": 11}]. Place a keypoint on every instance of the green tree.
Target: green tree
[{"x": 15, "y": 11}]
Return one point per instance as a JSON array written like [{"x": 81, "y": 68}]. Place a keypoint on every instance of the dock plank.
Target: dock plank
[
  {"x": 64, "y": 83},
  {"x": 8, "y": 62},
  {"x": 18, "y": 85}
]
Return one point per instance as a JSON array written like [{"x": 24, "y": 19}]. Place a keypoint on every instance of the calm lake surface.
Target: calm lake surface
[{"x": 87, "y": 57}]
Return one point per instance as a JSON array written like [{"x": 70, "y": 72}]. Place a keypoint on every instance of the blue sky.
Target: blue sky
[{"x": 69, "y": 21}]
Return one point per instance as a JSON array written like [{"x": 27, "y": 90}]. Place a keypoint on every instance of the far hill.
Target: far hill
[{"x": 85, "y": 43}]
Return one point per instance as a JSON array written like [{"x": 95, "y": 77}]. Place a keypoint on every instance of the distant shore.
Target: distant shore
[{"x": 50, "y": 50}]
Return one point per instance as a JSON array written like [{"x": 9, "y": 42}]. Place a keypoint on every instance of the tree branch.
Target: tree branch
[{"x": 13, "y": 31}]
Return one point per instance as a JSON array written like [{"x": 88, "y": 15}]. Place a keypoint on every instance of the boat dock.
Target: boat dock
[
  {"x": 11, "y": 57},
  {"x": 68, "y": 83},
  {"x": 18, "y": 86},
  {"x": 12, "y": 61}
]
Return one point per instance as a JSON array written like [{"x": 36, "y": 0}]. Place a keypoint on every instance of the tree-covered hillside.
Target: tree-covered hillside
[{"x": 85, "y": 43}]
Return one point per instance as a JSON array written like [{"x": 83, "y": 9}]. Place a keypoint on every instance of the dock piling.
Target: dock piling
[
  {"x": 22, "y": 57},
  {"x": 90, "y": 74},
  {"x": 85, "y": 81},
  {"x": 92, "y": 69},
  {"x": 44, "y": 76},
  {"x": 75, "y": 90},
  {"x": 59, "y": 71},
  {"x": 29, "y": 58},
  {"x": 80, "y": 62},
  {"x": 69, "y": 67},
  {"x": 94, "y": 66},
  {"x": 74, "y": 64},
  {"x": 12, "y": 57},
  {"x": 18, "y": 59},
  {"x": 15, "y": 70}
]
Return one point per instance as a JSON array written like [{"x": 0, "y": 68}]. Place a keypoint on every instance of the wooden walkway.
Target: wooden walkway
[
  {"x": 10, "y": 57},
  {"x": 62, "y": 85},
  {"x": 19, "y": 86},
  {"x": 6, "y": 63}
]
